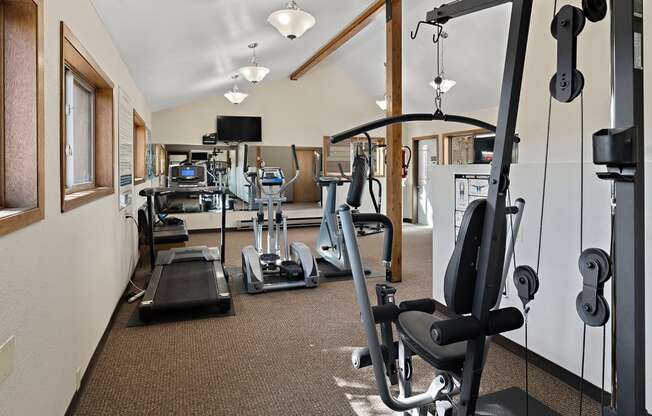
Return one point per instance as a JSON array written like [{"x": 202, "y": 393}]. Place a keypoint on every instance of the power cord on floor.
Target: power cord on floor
[{"x": 131, "y": 297}]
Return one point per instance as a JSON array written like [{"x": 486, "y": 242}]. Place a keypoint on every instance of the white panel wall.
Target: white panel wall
[
  {"x": 555, "y": 330},
  {"x": 61, "y": 278}
]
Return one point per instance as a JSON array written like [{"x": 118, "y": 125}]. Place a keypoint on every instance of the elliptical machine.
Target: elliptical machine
[
  {"x": 266, "y": 267},
  {"x": 331, "y": 245}
]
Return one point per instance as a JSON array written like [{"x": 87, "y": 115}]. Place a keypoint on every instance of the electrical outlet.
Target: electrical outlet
[
  {"x": 78, "y": 378},
  {"x": 7, "y": 358}
]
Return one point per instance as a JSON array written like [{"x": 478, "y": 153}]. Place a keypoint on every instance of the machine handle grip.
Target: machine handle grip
[
  {"x": 294, "y": 156},
  {"x": 373, "y": 218},
  {"x": 245, "y": 165},
  {"x": 466, "y": 328}
]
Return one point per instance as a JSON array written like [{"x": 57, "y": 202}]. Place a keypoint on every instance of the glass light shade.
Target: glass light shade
[
  {"x": 254, "y": 73},
  {"x": 235, "y": 96},
  {"x": 382, "y": 104},
  {"x": 446, "y": 85},
  {"x": 291, "y": 23}
]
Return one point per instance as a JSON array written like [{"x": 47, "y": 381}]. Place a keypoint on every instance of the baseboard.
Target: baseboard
[
  {"x": 543, "y": 363},
  {"x": 74, "y": 402}
]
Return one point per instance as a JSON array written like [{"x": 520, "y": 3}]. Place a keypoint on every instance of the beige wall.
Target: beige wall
[
  {"x": 555, "y": 331},
  {"x": 60, "y": 279},
  {"x": 323, "y": 102}
]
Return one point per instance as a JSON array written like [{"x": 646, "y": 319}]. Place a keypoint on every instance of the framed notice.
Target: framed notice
[
  {"x": 468, "y": 188},
  {"x": 125, "y": 151}
]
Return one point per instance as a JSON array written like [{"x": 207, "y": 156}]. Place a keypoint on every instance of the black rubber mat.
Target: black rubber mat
[
  {"x": 178, "y": 315},
  {"x": 512, "y": 402}
]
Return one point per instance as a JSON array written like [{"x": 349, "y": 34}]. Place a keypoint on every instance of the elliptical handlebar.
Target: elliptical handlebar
[{"x": 286, "y": 184}]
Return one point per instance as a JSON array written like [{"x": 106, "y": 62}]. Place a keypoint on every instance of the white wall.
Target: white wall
[
  {"x": 323, "y": 102},
  {"x": 555, "y": 330},
  {"x": 60, "y": 279}
]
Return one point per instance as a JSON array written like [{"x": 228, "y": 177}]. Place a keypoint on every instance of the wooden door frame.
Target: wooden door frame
[
  {"x": 415, "y": 170},
  {"x": 294, "y": 169}
]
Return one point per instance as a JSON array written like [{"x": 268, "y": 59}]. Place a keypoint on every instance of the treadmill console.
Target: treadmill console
[{"x": 188, "y": 175}]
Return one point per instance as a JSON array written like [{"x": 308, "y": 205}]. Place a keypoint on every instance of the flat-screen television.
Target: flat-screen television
[{"x": 239, "y": 129}]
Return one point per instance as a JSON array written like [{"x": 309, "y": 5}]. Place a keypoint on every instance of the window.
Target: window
[
  {"x": 87, "y": 134},
  {"x": 21, "y": 114},
  {"x": 140, "y": 149},
  {"x": 80, "y": 133},
  {"x": 471, "y": 147},
  {"x": 343, "y": 153}
]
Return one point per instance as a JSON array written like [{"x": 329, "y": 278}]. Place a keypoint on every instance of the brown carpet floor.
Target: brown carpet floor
[{"x": 283, "y": 353}]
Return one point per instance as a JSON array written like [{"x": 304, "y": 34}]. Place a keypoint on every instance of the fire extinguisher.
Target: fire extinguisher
[{"x": 406, "y": 154}]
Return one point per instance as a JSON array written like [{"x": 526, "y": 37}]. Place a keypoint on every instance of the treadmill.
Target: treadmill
[{"x": 188, "y": 278}]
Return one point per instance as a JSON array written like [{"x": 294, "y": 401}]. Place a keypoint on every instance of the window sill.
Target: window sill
[
  {"x": 138, "y": 181},
  {"x": 77, "y": 199},
  {"x": 13, "y": 219}
]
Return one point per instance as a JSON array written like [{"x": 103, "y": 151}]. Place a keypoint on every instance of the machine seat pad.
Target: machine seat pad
[{"x": 414, "y": 330}]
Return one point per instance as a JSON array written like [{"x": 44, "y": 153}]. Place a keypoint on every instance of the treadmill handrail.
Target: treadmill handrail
[{"x": 201, "y": 190}]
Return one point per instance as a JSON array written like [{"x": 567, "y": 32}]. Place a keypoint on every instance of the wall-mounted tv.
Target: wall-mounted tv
[{"x": 239, "y": 129}]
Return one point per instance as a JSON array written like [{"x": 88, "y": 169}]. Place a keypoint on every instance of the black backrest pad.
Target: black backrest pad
[
  {"x": 461, "y": 273},
  {"x": 358, "y": 180}
]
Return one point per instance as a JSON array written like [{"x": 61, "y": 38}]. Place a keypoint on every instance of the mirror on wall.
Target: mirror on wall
[{"x": 224, "y": 165}]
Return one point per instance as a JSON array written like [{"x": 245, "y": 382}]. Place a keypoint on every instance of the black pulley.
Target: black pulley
[
  {"x": 595, "y": 267},
  {"x": 594, "y": 10},
  {"x": 526, "y": 282},
  {"x": 595, "y": 316},
  {"x": 568, "y": 82}
]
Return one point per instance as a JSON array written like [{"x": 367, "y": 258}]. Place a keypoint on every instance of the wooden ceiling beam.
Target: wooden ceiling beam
[{"x": 340, "y": 39}]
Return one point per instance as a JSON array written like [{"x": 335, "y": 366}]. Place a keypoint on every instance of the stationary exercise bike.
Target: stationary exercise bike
[
  {"x": 267, "y": 267},
  {"x": 331, "y": 245}
]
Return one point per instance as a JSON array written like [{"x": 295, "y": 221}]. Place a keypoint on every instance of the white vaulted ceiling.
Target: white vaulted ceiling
[{"x": 179, "y": 51}]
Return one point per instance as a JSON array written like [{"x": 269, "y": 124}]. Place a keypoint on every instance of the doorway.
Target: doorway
[
  {"x": 426, "y": 155},
  {"x": 305, "y": 190}
]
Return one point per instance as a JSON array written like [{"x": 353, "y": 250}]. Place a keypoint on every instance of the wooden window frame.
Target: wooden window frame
[
  {"x": 139, "y": 155},
  {"x": 14, "y": 218},
  {"x": 75, "y": 57}
]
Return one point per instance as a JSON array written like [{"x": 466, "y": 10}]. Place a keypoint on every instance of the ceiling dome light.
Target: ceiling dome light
[
  {"x": 234, "y": 95},
  {"x": 444, "y": 84},
  {"x": 254, "y": 73},
  {"x": 291, "y": 22}
]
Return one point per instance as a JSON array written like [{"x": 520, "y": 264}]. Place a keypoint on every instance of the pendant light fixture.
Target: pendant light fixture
[
  {"x": 441, "y": 83},
  {"x": 291, "y": 22},
  {"x": 234, "y": 95},
  {"x": 382, "y": 103},
  {"x": 254, "y": 73}
]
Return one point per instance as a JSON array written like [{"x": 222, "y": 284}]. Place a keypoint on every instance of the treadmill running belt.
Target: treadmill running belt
[{"x": 186, "y": 285}]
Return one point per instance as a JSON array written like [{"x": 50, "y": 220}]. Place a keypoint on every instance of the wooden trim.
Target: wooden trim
[
  {"x": 27, "y": 216},
  {"x": 139, "y": 149},
  {"x": 353, "y": 28},
  {"x": 66, "y": 34},
  {"x": 394, "y": 135},
  {"x": 75, "y": 56},
  {"x": 77, "y": 199}
]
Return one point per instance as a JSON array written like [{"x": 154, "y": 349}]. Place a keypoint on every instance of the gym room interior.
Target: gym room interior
[{"x": 312, "y": 207}]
